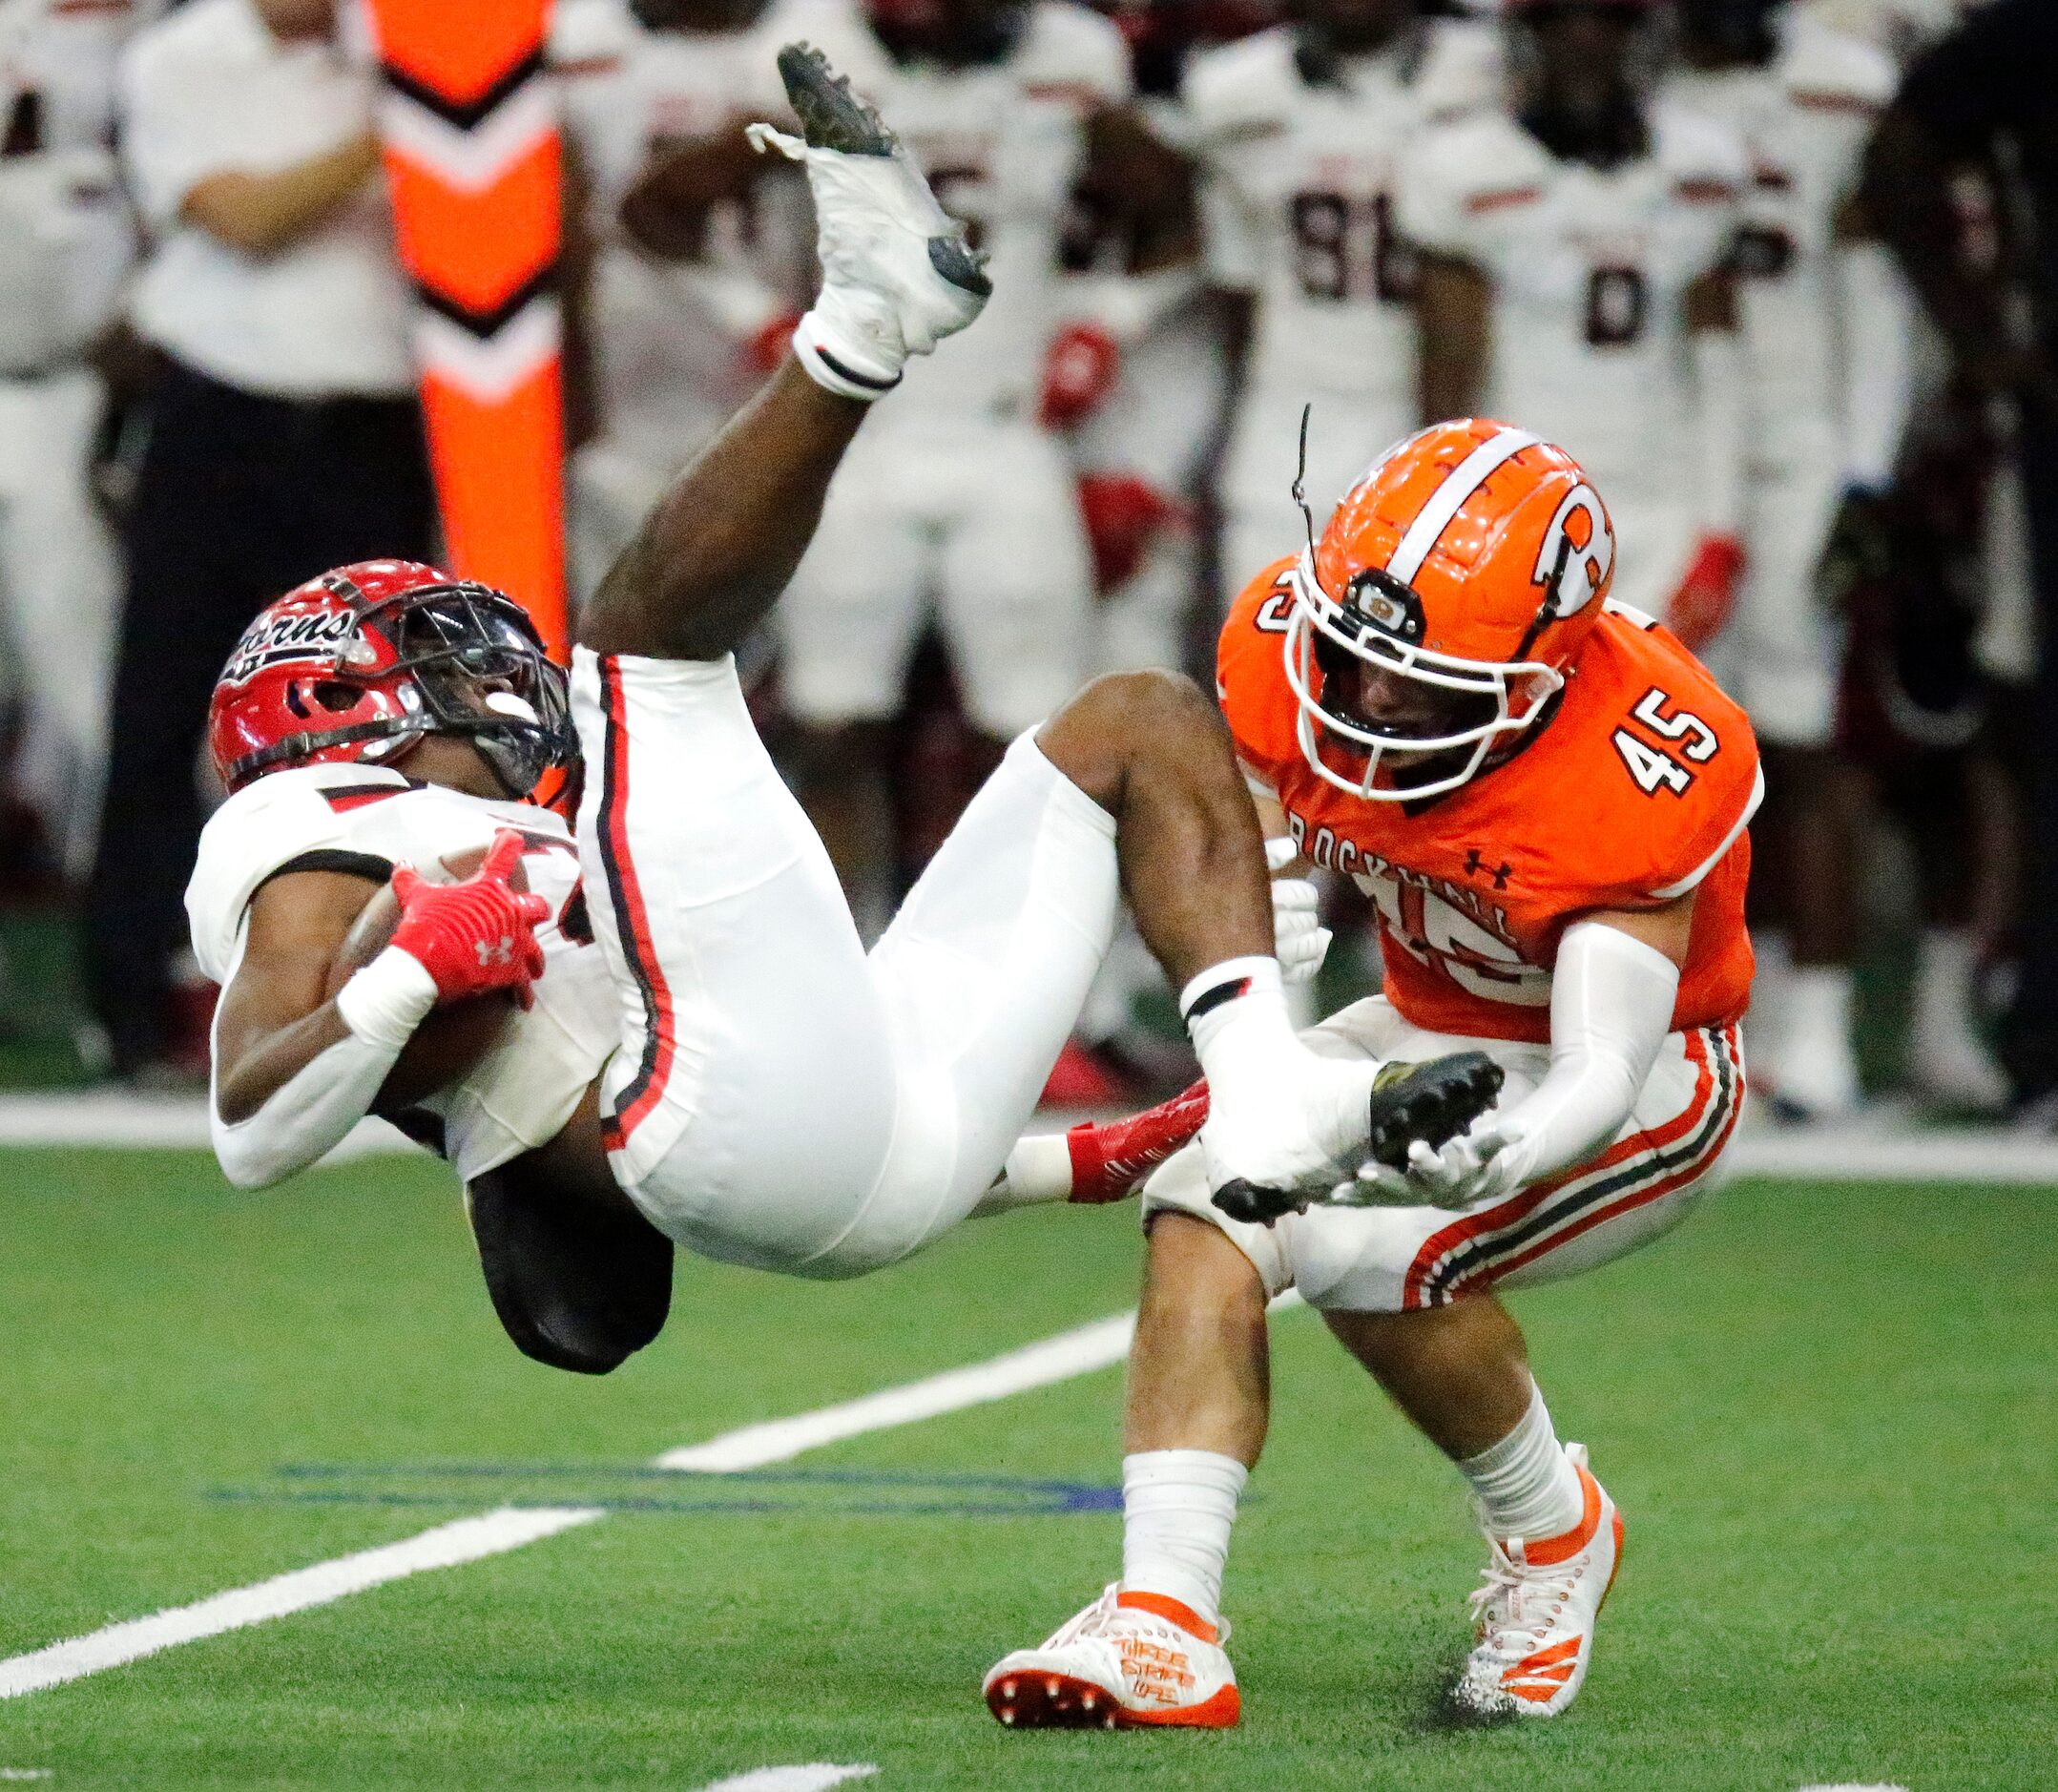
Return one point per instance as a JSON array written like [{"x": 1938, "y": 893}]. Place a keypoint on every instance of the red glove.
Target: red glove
[
  {"x": 1699, "y": 609},
  {"x": 477, "y": 935},
  {"x": 1080, "y": 371},
  {"x": 767, "y": 348},
  {"x": 1122, "y": 515}
]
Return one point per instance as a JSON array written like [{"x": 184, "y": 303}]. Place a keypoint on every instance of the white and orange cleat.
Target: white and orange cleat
[
  {"x": 1537, "y": 1611},
  {"x": 1129, "y": 1660}
]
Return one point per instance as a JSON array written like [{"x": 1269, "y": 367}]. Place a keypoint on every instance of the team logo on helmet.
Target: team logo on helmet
[
  {"x": 281, "y": 641},
  {"x": 1578, "y": 551},
  {"x": 1388, "y": 604}
]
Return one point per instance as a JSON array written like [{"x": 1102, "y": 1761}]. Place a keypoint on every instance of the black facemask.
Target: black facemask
[{"x": 465, "y": 646}]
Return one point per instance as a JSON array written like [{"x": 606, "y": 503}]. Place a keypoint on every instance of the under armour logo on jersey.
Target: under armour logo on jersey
[
  {"x": 500, "y": 952},
  {"x": 1578, "y": 552},
  {"x": 1475, "y": 865}
]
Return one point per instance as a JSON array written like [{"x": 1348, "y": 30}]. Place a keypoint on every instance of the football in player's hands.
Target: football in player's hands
[{"x": 459, "y": 1033}]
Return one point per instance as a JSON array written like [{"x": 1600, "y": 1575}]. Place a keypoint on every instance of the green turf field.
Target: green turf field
[{"x": 1828, "y": 1413}]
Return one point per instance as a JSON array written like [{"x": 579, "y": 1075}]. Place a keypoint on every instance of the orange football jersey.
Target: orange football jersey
[{"x": 1638, "y": 789}]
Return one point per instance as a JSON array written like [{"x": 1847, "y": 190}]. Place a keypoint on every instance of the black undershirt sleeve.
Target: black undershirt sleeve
[{"x": 365, "y": 865}]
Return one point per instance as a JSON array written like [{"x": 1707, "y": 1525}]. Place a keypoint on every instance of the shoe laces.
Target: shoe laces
[
  {"x": 1516, "y": 1605},
  {"x": 1105, "y": 1618}
]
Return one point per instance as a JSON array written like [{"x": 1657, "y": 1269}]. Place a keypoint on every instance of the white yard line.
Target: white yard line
[
  {"x": 1884, "y": 1148},
  {"x": 815, "y": 1777},
  {"x": 467, "y": 1540},
  {"x": 1079, "y": 1351}
]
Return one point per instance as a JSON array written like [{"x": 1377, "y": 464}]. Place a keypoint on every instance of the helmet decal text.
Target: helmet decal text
[{"x": 276, "y": 640}]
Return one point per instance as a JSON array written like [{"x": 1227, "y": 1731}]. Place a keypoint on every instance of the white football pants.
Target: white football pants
[
  {"x": 978, "y": 523},
  {"x": 778, "y": 1098},
  {"x": 1392, "y": 1259}
]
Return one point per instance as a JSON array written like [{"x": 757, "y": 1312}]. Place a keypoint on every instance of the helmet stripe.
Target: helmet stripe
[{"x": 1448, "y": 498}]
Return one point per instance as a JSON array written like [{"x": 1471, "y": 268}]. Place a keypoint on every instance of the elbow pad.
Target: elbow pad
[
  {"x": 1610, "y": 1009},
  {"x": 314, "y": 1110}
]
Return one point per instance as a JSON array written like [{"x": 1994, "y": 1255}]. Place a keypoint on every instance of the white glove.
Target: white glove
[
  {"x": 1280, "y": 1119},
  {"x": 897, "y": 273},
  {"x": 1480, "y": 1165},
  {"x": 1298, "y": 937}
]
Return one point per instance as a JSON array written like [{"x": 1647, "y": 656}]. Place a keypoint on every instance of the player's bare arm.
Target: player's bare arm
[
  {"x": 725, "y": 540},
  {"x": 306, "y": 1047},
  {"x": 276, "y": 1015},
  {"x": 1454, "y": 312},
  {"x": 666, "y": 208},
  {"x": 723, "y": 543}
]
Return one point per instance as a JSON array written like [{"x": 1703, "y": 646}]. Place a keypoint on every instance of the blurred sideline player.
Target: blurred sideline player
[
  {"x": 1901, "y": 28},
  {"x": 1575, "y": 277},
  {"x": 1546, "y": 798},
  {"x": 66, "y": 241},
  {"x": 701, "y": 251},
  {"x": 1828, "y": 333},
  {"x": 1299, "y": 131},
  {"x": 965, "y": 514},
  {"x": 697, "y": 1050}
]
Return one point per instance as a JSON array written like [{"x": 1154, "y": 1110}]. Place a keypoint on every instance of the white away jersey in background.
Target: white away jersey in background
[
  {"x": 1298, "y": 184},
  {"x": 1002, "y": 145},
  {"x": 671, "y": 337},
  {"x": 1804, "y": 122},
  {"x": 368, "y": 819},
  {"x": 1590, "y": 270}
]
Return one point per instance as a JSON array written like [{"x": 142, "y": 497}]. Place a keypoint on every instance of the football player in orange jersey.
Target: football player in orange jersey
[{"x": 1545, "y": 797}]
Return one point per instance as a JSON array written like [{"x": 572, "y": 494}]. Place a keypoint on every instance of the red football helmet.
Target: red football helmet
[{"x": 359, "y": 664}]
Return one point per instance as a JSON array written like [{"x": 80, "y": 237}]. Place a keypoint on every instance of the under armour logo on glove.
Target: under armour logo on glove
[{"x": 477, "y": 935}]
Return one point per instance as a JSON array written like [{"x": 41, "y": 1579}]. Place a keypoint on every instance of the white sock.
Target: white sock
[
  {"x": 1819, "y": 999},
  {"x": 1945, "y": 967},
  {"x": 1527, "y": 1486},
  {"x": 1177, "y": 1509},
  {"x": 1038, "y": 1169}
]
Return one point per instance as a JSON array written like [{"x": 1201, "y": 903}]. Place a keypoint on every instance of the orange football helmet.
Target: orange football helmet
[{"x": 1472, "y": 558}]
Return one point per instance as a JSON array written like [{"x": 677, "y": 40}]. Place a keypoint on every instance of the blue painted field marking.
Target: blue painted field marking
[{"x": 1035, "y": 1497}]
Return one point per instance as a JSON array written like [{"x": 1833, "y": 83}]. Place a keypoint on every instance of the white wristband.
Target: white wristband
[
  {"x": 832, "y": 362},
  {"x": 384, "y": 1003}
]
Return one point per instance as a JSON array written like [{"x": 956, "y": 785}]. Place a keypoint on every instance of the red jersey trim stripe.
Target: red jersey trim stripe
[
  {"x": 1429, "y": 1279},
  {"x": 1502, "y": 199}
]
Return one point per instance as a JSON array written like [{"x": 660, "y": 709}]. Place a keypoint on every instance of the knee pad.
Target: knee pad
[{"x": 576, "y": 1285}]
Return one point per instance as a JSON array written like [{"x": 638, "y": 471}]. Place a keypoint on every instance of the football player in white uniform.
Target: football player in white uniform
[
  {"x": 968, "y": 516},
  {"x": 1827, "y": 326},
  {"x": 1299, "y": 131},
  {"x": 1576, "y": 280},
  {"x": 698, "y": 251},
  {"x": 67, "y": 240},
  {"x": 723, "y": 1067}
]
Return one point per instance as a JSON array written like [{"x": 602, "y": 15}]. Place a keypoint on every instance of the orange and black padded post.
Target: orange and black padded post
[{"x": 471, "y": 126}]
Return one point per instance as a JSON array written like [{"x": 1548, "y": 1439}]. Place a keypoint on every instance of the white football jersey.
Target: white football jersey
[
  {"x": 1590, "y": 272},
  {"x": 1297, "y": 190},
  {"x": 1803, "y": 120},
  {"x": 1901, "y": 28},
  {"x": 1002, "y": 145},
  {"x": 368, "y": 819},
  {"x": 670, "y": 337},
  {"x": 66, "y": 239}
]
